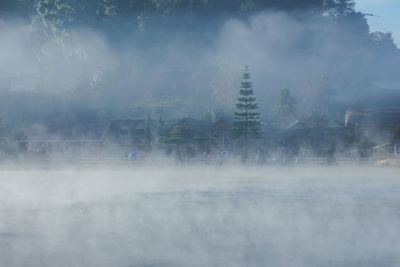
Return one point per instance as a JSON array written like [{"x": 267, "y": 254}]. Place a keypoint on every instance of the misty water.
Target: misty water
[{"x": 200, "y": 216}]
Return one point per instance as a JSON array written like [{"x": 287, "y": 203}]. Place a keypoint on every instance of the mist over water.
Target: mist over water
[
  {"x": 201, "y": 216},
  {"x": 77, "y": 78}
]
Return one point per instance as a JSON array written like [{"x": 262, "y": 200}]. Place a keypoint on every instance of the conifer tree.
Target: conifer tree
[
  {"x": 179, "y": 136},
  {"x": 247, "y": 119}
]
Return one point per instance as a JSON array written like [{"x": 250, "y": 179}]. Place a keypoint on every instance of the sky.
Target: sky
[{"x": 386, "y": 16}]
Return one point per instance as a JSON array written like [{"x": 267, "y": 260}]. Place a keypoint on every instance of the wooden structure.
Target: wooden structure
[
  {"x": 327, "y": 138},
  {"x": 378, "y": 125},
  {"x": 86, "y": 139}
]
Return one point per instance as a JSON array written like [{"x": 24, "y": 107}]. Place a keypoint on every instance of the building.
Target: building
[
  {"x": 74, "y": 138},
  {"x": 86, "y": 139},
  {"x": 328, "y": 138},
  {"x": 127, "y": 134},
  {"x": 190, "y": 136},
  {"x": 378, "y": 126}
]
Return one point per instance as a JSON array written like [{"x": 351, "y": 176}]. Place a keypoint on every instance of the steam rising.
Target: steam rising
[
  {"x": 87, "y": 69},
  {"x": 197, "y": 215},
  {"x": 200, "y": 217}
]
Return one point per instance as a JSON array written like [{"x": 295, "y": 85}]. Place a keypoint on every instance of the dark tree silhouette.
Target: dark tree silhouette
[
  {"x": 179, "y": 136},
  {"x": 247, "y": 119}
]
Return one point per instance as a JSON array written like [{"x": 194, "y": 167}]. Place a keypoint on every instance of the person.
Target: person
[{"x": 132, "y": 155}]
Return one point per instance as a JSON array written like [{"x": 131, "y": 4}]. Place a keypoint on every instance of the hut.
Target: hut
[{"x": 378, "y": 125}]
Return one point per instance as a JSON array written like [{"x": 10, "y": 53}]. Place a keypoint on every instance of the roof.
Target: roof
[
  {"x": 383, "y": 146},
  {"x": 83, "y": 131},
  {"x": 128, "y": 125},
  {"x": 335, "y": 124},
  {"x": 297, "y": 125},
  {"x": 333, "y": 127},
  {"x": 194, "y": 124},
  {"x": 374, "y": 116},
  {"x": 127, "y": 132},
  {"x": 221, "y": 125},
  {"x": 297, "y": 128},
  {"x": 67, "y": 131}
]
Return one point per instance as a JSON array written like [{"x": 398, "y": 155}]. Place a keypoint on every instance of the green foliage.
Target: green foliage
[
  {"x": 247, "y": 119},
  {"x": 179, "y": 135},
  {"x": 383, "y": 40},
  {"x": 339, "y": 8},
  {"x": 57, "y": 13},
  {"x": 109, "y": 8}
]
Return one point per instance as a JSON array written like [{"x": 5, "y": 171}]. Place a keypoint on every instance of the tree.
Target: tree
[
  {"x": 339, "y": 8},
  {"x": 179, "y": 136},
  {"x": 285, "y": 106},
  {"x": 54, "y": 15},
  {"x": 383, "y": 41},
  {"x": 247, "y": 120}
]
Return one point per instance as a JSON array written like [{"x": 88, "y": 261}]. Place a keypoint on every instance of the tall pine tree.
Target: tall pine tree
[{"x": 247, "y": 119}]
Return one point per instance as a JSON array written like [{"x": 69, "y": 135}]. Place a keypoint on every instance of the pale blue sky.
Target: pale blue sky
[{"x": 387, "y": 15}]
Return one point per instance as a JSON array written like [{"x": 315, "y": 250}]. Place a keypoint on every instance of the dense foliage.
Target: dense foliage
[
  {"x": 59, "y": 14},
  {"x": 168, "y": 7},
  {"x": 247, "y": 123},
  {"x": 84, "y": 80}
]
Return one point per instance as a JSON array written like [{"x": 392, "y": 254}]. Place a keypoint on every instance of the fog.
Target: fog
[
  {"x": 85, "y": 72},
  {"x": 200, "y": 216},
  {"x": 78, "y": 77}
]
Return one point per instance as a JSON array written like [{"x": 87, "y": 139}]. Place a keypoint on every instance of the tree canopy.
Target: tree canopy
[
  {"x": 63, "y": 12},
  {"x": 67, "y": 69}
]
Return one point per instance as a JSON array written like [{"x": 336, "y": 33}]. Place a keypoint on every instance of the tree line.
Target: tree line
[
  {"x": 168, "y": 7},
  {"x": 61, "y": 14}
]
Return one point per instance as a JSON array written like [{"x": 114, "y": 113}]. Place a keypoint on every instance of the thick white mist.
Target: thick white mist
[
  {"x": 85, "y": 68},
  {"x": 200, "y": 216}
]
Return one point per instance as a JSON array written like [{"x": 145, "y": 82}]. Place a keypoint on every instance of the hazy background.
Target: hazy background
[
  {"x": 101, "y": 60},
  {"x": 91, "y": 60}
]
